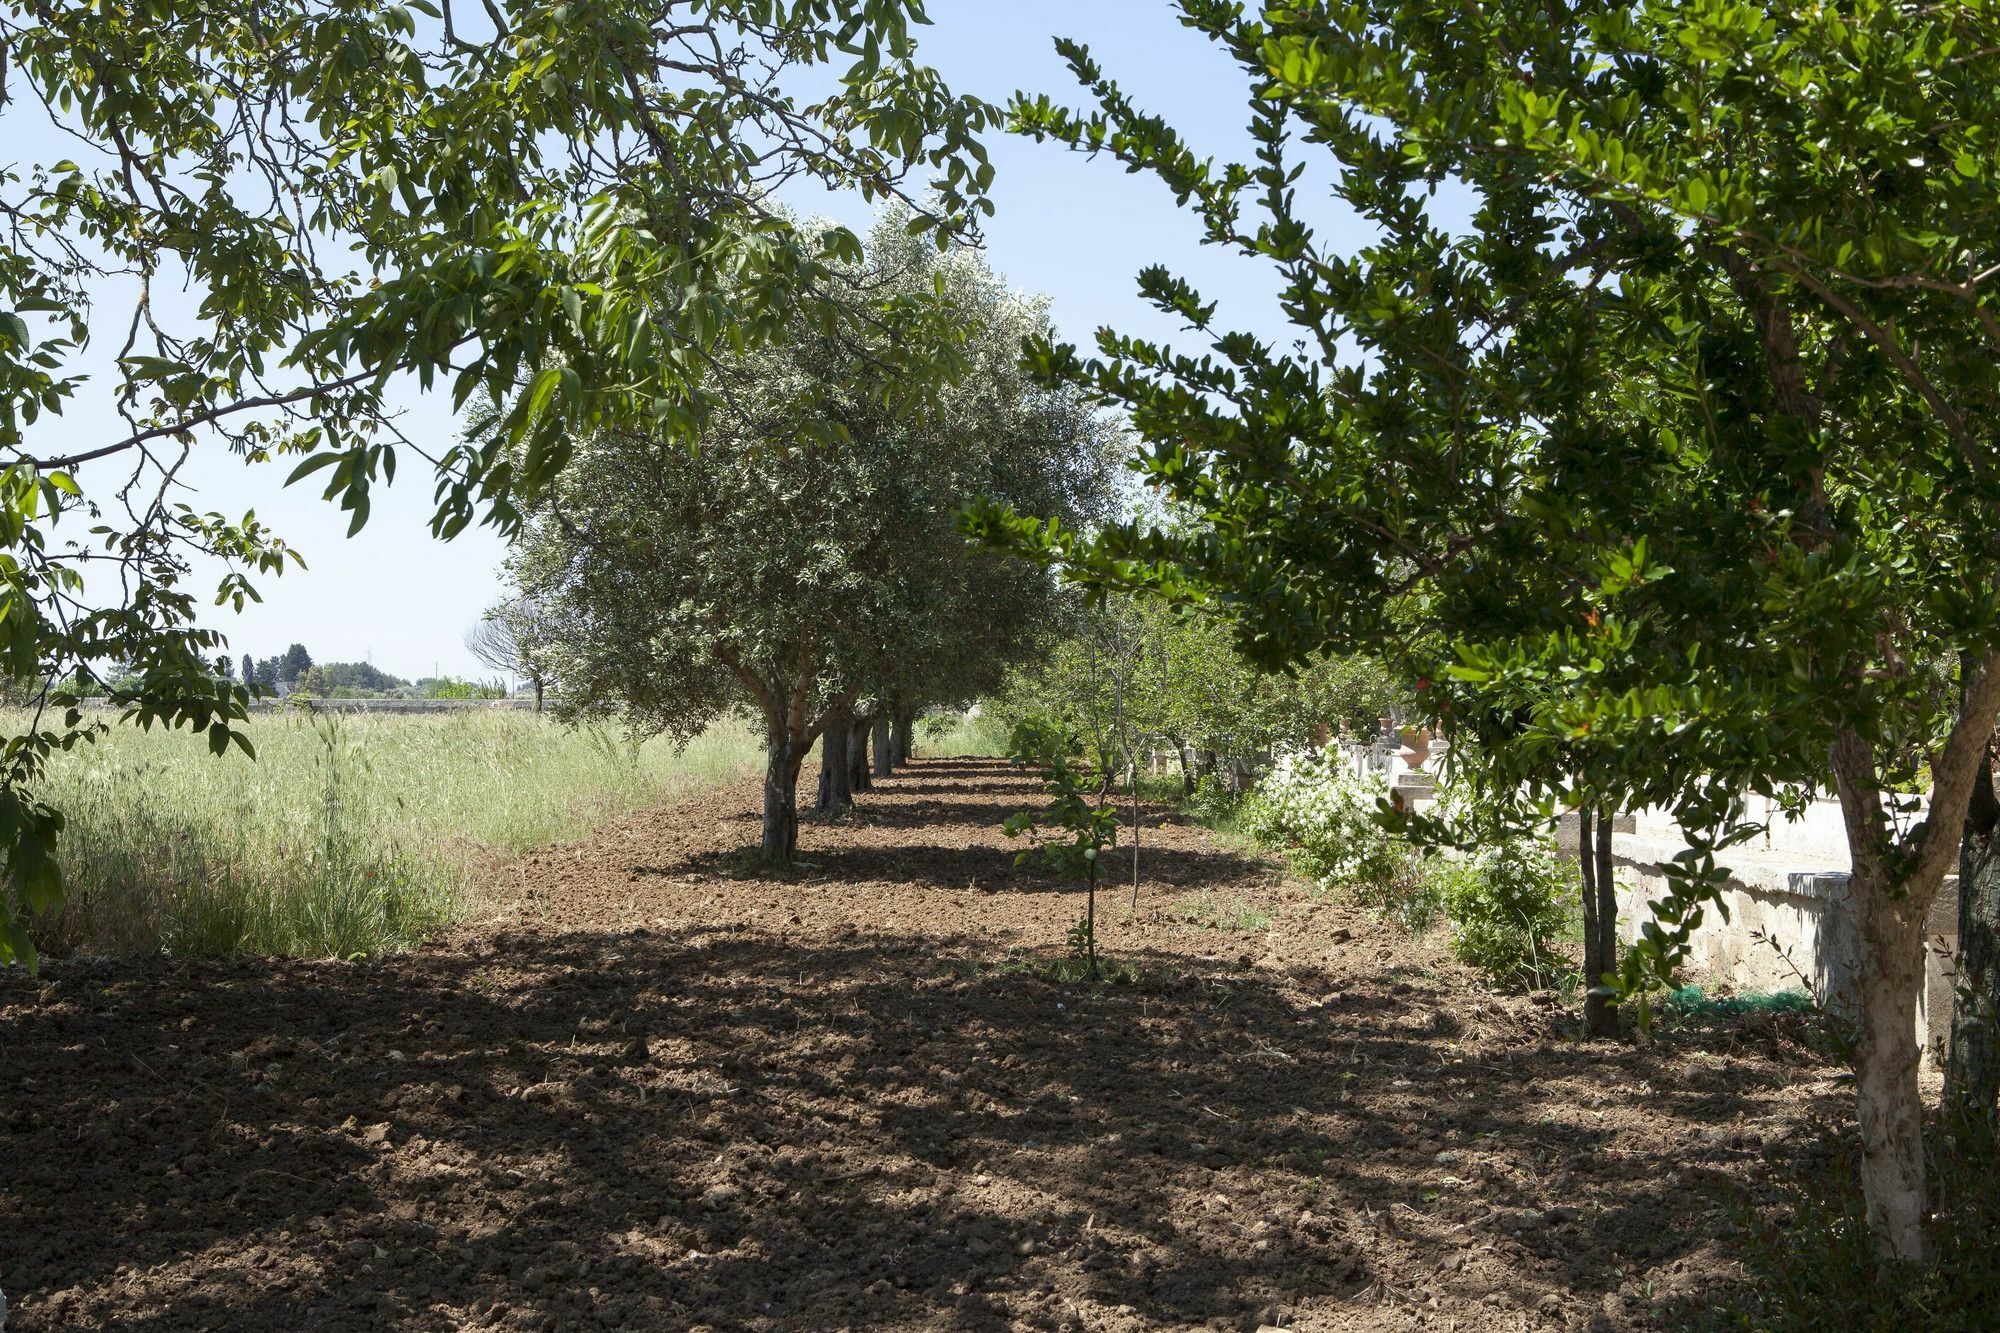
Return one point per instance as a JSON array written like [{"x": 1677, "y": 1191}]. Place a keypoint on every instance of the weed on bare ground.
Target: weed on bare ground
[{"x": 635, "y": 1092}]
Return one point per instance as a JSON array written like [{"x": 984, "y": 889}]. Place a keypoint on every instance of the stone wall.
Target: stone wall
[{"x": 1789, "y": 923}]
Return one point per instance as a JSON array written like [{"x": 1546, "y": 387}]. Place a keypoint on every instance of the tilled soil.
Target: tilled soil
[{"x": 639, "y": 1091}]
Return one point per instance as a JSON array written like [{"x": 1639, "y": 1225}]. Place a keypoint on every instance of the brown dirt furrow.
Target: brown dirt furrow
[{"x": 639, "y": 1091}]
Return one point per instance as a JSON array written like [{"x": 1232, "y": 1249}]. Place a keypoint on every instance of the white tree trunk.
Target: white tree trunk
[
  {"x": 1885, "y": 1072},
  {"x": 1892, "y": 950}
]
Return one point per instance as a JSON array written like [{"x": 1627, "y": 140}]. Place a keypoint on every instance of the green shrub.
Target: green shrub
[
  {"x": 1508, "y": 906},
  {"x": 1212, "y": 802}
]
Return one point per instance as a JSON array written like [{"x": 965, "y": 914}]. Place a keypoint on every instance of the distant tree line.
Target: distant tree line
[{"x": 294, "y": 672}]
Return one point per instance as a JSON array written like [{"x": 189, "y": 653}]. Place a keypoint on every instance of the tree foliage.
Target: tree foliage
[
  {"x": 353, "y": 679},
  {"x": 1669, "y": 472},
  {"x": 804, "y": 554},
  {"x": 1131, "y": 675},
  {"x": 266, "y": 222}
]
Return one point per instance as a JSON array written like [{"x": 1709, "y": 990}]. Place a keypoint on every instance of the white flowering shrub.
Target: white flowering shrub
[
  {"x": 1323, "y": 817},
  {"x": 1510, "y": 906}
]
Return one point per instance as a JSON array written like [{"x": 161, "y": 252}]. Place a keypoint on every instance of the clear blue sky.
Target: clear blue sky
[{"x": 1076, "y": 229}]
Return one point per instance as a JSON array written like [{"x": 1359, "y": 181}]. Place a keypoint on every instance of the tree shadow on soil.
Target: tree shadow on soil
[
  {"x": 648, "y": 1130},
  {"x": 957, "y": 868}
]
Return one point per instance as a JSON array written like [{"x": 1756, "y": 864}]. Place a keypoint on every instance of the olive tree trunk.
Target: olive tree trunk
[
  {"x": 836, "y": 792},
  {"x": 885, "y": 762},
  {"x": 1972, "y": 1068},
  {"x": 901, "y": 735},
  {"x": 858, "y": 778},
  {"x": 781, "y": 788}
]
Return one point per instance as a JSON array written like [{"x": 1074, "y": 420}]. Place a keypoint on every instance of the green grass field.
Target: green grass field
[
  {"x": 347, "y": 835},
  {"x": 954, "y": 735}
]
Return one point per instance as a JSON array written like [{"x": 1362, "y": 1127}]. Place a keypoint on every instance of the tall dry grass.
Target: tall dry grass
[{"x": 347, "y": 835}]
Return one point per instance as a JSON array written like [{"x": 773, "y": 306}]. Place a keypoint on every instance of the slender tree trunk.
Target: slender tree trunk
[
  {"x": 884, "y": 761},
  {"x": 1598, "y": 1018},
  {"x": 1890, "y": 917},
  {"x": 835, "y": 792},
  {"x": 1090, "y": 922},
  {"x": 538, "y": 694},
  {"x": 1891, "y": 970},
  {"x": 1132, "y": 787},
  {"x": 1187, "y": 773},
  {"x": 1604, "y": 1021},
  {"x": 781, "y": 788},
  {"x": 1972, "y": 1069},
  {"x": 857, "y": 755},
  {"x": 901, "y": 739}
]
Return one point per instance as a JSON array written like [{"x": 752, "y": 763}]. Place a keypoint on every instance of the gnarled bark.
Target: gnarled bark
[
  {"x": 781, "y": 786},
  {"x": 885, "y": 762},
  {"x": 836, "y": 792},
  {"x": 858, "y": 778}
]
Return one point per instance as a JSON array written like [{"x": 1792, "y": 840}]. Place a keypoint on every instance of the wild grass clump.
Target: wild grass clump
[
  {"x": 347, "y": 834},
  {"x": 1234, "y": 915},
  {"x": 963, "y": 736}
]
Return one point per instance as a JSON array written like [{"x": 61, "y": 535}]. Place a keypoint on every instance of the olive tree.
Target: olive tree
[{"x": 803, "y": 555}]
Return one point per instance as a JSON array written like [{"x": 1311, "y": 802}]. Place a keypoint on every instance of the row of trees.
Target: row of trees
[
  {"x": 1672, "y": 477},
  {"x": 1131, "y": 676},
  {"x": 294, "y": 672},
  {"x": 800, "y": 559}
]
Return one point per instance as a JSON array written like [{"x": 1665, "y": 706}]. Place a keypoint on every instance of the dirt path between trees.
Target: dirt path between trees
[{"x": 636, "y": 1092}]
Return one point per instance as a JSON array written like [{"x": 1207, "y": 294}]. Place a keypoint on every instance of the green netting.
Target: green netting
[{"x": 1690, "y": 1002}]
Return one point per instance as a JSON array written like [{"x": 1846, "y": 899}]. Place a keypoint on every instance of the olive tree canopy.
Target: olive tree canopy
[{"x": 804, "y": 553}]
